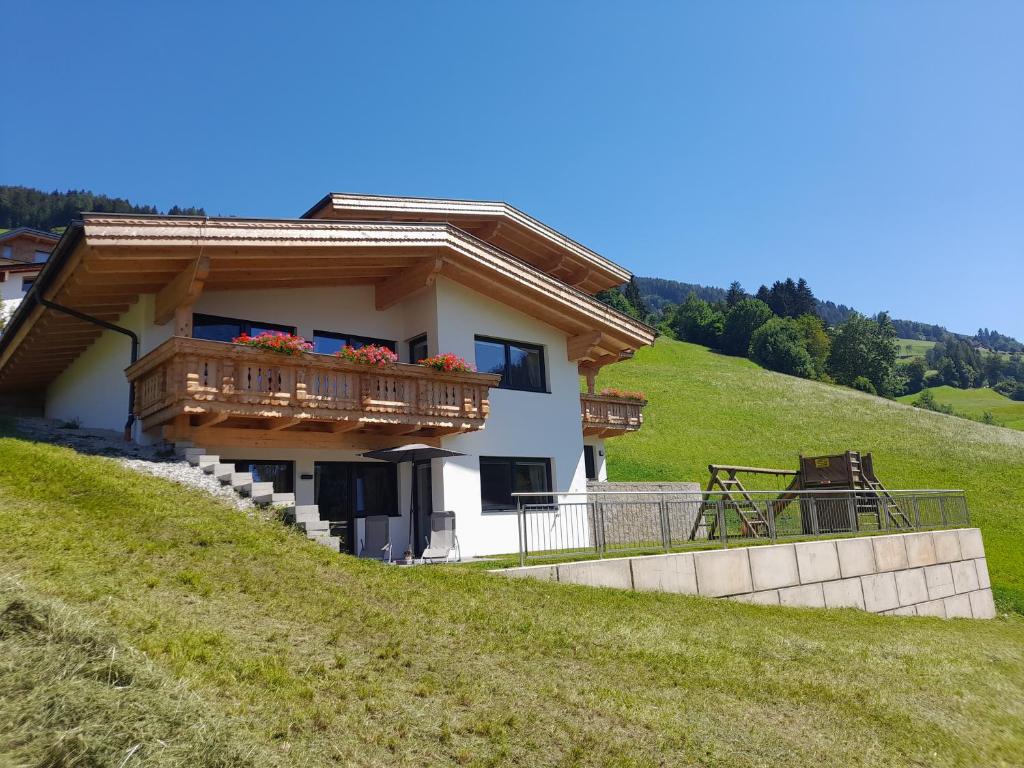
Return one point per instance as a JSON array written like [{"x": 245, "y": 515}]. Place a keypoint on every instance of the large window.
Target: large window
[
  {"x": 500, "y": 477},
  {"x": 280, "y": 473},
  {"x": 214, "y": 328},
  {"x": 40, "y": 257},
  {"x": 328, "y": 342},
  {"x": 521, "y": 365}
]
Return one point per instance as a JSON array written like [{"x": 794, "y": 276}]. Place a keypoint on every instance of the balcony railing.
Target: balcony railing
[
  {"x": 194, "y": 383},
  {"x": 607, "y": 416}
]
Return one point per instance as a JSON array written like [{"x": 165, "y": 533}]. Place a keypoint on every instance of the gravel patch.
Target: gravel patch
[{"x": 157, "y": 460}]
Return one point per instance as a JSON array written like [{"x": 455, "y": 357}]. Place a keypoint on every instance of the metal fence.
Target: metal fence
[{"x": 595, "y": 524}]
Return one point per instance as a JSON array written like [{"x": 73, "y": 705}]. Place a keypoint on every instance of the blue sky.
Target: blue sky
[{"x": 876, "y": 149}]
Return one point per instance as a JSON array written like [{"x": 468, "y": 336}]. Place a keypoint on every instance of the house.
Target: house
[
  {"x": 481, "y": 280},
  {"x": 23, "y": 252}
]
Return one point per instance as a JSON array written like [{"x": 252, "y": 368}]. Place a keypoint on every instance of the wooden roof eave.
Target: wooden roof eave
[
  {"x": 515, "y": 227},
  {"x": 163, "y": 245}
]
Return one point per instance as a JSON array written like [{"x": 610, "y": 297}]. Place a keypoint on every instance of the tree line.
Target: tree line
[
  {"x": 780, "y": 328},
  {"x": 48, "y": 211}
]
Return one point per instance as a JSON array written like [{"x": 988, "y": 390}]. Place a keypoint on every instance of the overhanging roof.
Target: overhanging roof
[
  {"x": 497, "y": 223},
  {"x": 104, "y": 263},
  {"x": 33, "y": 234}
]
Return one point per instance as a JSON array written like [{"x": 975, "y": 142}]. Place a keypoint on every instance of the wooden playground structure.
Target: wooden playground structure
[{"x": 867, "y": 506}]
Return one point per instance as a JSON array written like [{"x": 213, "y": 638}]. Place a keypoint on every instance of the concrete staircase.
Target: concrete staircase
[{"x": 304, "y": 517}]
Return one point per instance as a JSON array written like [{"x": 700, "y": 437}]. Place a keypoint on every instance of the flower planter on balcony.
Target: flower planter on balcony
[
  {"x": 608, "y": 416},
  {"x": 189, "y": 384}
]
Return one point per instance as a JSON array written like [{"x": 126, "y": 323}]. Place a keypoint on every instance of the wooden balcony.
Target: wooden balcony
[
  {"x": 606, "y": 416},
  {"x": 215, "y": 393}
]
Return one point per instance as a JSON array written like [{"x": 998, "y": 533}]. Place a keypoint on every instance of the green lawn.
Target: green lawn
[
  {"x": 975, "y": 402},
  {"x": 909, "y": 348},
  {"x": 709, "y": 408},
  {"x": 142, "y": 623}
]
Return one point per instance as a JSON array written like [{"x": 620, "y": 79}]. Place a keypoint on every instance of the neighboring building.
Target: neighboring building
[
  {"x": 23, "y": 252},
  {"x": 478, "y": 279}
]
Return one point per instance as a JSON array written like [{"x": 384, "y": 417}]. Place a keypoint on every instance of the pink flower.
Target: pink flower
[
  {"x": 448, "y": 363},
  {"x": 275, "y": 341},
  {"x": 370, "y": 354}
]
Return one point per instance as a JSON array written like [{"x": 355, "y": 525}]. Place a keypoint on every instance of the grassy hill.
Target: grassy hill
[
  {"x": 910, "y": 348},
  {"x": 142, "y": 623},
  {"x": 709, "y": 408},
  {"x": 975, "y": 402}
]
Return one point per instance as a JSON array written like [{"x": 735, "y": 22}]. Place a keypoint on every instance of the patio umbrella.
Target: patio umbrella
[{"x": 411, "y": 452}]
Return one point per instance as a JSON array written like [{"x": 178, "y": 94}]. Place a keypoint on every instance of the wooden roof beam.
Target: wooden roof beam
[
  {"x": 395, "y": 289},
  {"x": 182, "y": 291}
]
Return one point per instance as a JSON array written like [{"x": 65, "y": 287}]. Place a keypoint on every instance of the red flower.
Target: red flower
[
  {"x": 369, "y": 354},
  {"x": 447, "y": 362},
  {"x": 274, "y": 341}
]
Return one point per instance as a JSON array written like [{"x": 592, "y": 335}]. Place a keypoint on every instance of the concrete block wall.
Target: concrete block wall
[{"x": 935, "y": 573}]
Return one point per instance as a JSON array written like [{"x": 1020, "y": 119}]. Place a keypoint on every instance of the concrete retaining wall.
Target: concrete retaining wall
[{"x": 937, "y": 573}]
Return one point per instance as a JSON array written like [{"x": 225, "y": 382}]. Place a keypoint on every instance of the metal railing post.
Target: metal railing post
[
  {"x": 723, "y": 535},
  {"x": 663, "y": 515},
  {"x": 917, "y": 512},
  {"x": 851, "y": 509},
  {"x": 600, "y": 512},
  {"x": 942, "y": 511},
  {"x": 813, "y": 507},
  {"x": 521, "y": 515},
  {"x": 772, "y": 532}
]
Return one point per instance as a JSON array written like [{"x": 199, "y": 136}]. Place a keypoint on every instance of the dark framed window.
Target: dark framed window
[
  {"x": 26, "y": 284},
  {"x": 40, "y": 257},
  {"x": 215, "y": 328},
  {"x": 501, "y": 476},
  {"x": 280, "y": 473},
  {"x": 418, "y": 349},
  {"x": 521, "y": 365},
  {"x": 329, "y": 342},
  {"x": 589, "y": 462}
]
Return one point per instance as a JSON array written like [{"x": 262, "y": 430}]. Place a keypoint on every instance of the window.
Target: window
[
  {"x": 521, "y": 365},
  {"x": 328, "y": 342},
  {"x": 8, "y": 252},
  {"x": 213, "y": 328},
  {"x": 589, "y": 463},
  {"x": 501, "y": 477},
  {"x": 40, "y": 257},
  {"x": 418, "y": 349},
  {"x": 26, "y": 283},
  {"x": 280, "y": 473}
]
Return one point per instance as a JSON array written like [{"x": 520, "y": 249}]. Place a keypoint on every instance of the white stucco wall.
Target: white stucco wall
[
  {"x": 521, "y": 424},
  {"x": 93, "y": 389}
]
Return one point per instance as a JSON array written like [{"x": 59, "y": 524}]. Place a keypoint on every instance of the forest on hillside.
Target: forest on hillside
[
  {"x": 782, "y": 327},
  {"x": 48, "y": 211}
]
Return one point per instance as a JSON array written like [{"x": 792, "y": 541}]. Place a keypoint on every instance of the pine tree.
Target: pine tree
[{"x": 735, "y": 294}]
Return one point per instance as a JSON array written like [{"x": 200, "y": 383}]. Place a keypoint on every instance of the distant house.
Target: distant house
[
  {"x": 23, "y": 252},
  {"x": 481, "y": 280}
]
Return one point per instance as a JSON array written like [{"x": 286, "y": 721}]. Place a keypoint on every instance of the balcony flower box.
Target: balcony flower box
[
  {"x": 282, "y": 343},
  {"x": 369, "y": 354},
  {"x": 447, "y": 362}
]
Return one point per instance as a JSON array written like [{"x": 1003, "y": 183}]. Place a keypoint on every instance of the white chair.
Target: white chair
[
  {"x": 377, "y": 541},
  {"x": 442, "y": 544}
]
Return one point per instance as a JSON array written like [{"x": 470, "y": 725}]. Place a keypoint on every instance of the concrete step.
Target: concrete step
[
  {"x": 211, "y": 469},
  {"x": 270, "y": 497},
  {"x": 331, "y": 542},
  {"x": 255, "y": 489},
  {"x": 181, "y": 446},
  {"x": 314, "y": 527},
  {"x": 202, "y": 459},
  {"x": 301, "y": 513},
  {"x": 223, "y": 472},
  {"x": 240, "y": 480}
]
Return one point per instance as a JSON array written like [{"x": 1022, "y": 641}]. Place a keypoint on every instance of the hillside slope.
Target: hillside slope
[
  {"x": 976, "y": 402},
  {"x": 302, "y": 657},
  {"x": 708, "y": 408}
]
